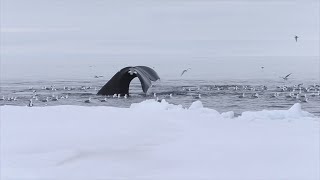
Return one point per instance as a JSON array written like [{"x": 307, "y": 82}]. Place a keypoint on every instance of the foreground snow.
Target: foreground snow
[{"x": 153, "y": 140}]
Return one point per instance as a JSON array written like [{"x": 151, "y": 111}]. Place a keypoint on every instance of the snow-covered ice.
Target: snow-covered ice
[{"x": 152, "y": 140}]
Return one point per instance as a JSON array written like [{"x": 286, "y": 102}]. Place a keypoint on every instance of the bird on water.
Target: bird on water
[
  {"x": 30, "y": 103},
  {"x": 88, "y": 100}
]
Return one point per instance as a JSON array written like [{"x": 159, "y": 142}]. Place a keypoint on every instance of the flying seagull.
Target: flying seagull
[
  {"x": 296, "y": 38},
  {"x": 184, "y": 71},
  {"x": 97, "y": 76},
  {"x": 286, "y": 77},
  {"x": 262, "y": 67}
]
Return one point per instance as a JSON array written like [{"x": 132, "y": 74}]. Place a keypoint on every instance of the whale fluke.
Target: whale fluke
[{"x": 119, "y": 83}]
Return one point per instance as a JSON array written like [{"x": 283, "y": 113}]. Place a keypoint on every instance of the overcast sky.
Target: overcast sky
[{"x": 42, "y": 30}]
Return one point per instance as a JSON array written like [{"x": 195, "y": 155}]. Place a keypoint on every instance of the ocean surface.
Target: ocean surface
[{"x": 223, "y": 95}]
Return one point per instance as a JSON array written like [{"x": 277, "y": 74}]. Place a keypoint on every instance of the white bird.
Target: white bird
[
  {"x": 304, "y": 99},
  {"x": 103, "y": 100},
  {"x": 30, "y": 103},
  {"x": 242, "y": 95},
  {"x": 45, "y": 100},
  {"x": 119, "y": 95},
  {"x": 256, "y": 95},
  {"x": 35, "y": 97},
  {"x": 289, "y": 95},
  {"x": 114, "y": 96},
  {"x": 88, "y": 100},
  {"x": 184, "y": 71},
  {"x": 154, "y": 94},
  {"x": 55, "y": 98},
  {"x": 126, "y": 96},
  {"x": 170, "y": 95},
  {"x": 198, "y": 97},
  {"x": 275, "y": 95}
]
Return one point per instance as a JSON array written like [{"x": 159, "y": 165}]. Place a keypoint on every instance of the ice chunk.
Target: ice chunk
[{"x": 196, "y": 105}]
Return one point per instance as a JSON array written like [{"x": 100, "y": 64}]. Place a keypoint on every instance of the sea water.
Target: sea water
[{"x": 219, "y": 82}]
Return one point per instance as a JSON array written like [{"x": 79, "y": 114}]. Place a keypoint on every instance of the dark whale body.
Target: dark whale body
[{"x": 119, "y": 83}]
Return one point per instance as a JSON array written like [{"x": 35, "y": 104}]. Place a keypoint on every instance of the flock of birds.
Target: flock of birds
[
  {"x": 52, "y": 89},
  {"x": 296, "y": 92},
  {"x": 262, "y": 67}
]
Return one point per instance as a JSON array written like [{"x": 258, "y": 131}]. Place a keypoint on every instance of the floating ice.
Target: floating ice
[
  {"x": 153, "y": 105},
  {"x": 295, "y": 112},
  {"x": 196, "y": 105},
  {"x": 152, "y": 140}
]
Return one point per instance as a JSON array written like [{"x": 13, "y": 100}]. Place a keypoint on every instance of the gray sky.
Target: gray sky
[{"x": 36, "y": 31}]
